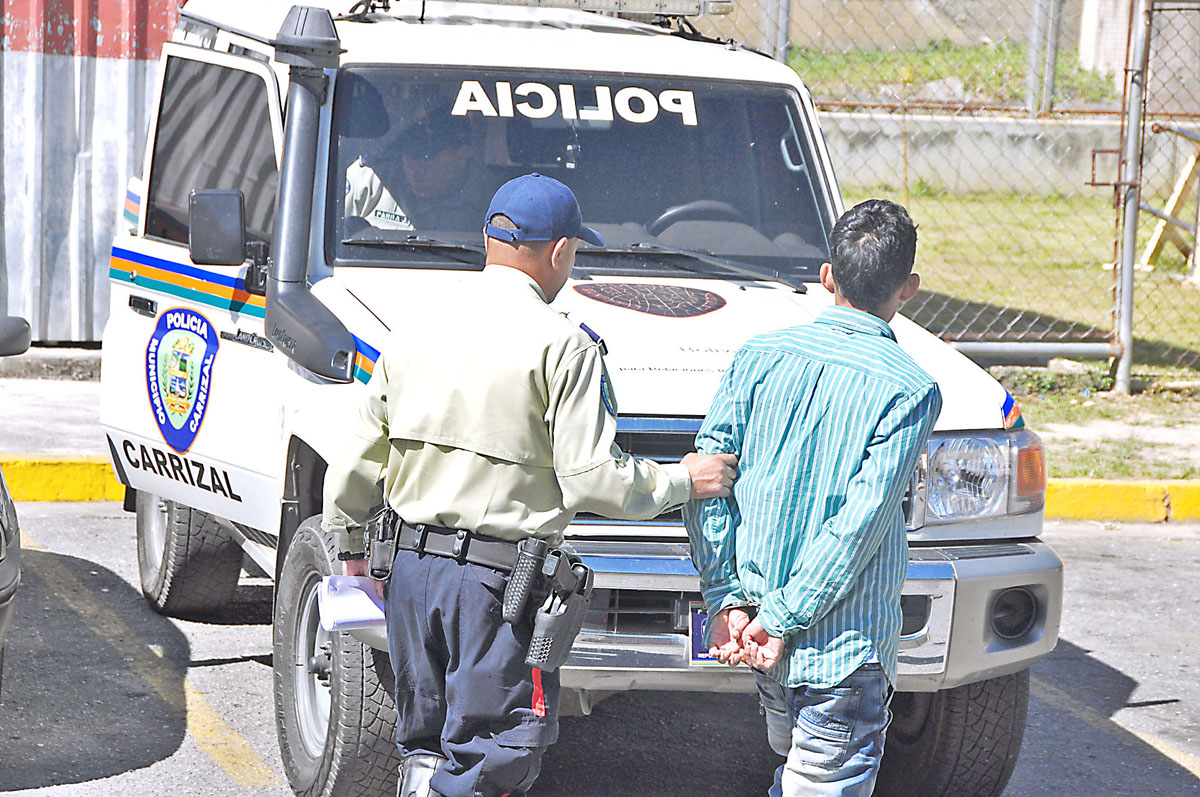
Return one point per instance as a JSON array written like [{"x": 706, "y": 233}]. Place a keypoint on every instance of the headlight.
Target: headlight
[{"x": 984, "y": 475}]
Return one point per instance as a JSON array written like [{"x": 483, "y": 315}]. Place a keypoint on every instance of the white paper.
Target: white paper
[{"x": 346, "y": 602}]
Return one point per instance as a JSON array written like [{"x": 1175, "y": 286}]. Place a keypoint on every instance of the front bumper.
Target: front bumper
[{"x": 948, "y": 639}]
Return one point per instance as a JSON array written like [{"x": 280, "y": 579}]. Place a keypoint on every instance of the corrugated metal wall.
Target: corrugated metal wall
[{"x": 77, "y": 78}]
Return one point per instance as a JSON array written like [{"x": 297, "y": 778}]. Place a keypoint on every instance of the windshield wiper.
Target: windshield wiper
[
  {"x": 734, "y": 266},
  {"x": 415, "y": 241}
]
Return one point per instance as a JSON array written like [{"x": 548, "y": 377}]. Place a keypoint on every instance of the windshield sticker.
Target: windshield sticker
[
  {"x": 179, "y": 360},
  {"x": 540, "y": 101},
  {"x": 674, "y": 301}
]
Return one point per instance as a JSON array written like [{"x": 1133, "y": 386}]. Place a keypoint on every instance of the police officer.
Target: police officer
[
  {"x": 490, "y": 419},
  {"x": 420, "y": 181}
]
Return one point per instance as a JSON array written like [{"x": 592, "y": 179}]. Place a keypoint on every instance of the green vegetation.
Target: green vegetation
[
  {"x": 1039, "y": 267},
  {"x": 992, "y": 73},
  {"x": 1091, "y": 433}
]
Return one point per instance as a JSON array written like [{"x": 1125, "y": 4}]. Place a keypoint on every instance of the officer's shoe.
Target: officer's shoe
[{"x": 416, "y": 770}]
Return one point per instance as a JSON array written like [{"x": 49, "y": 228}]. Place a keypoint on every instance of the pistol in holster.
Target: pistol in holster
[
  {"x": 560, "y": 618},
  {"x": 382, "y": 530}
]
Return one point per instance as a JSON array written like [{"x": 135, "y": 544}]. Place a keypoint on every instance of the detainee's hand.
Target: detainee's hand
[
  {"x": 726, "y": 636},
  {"x": 761, "y": 649},
  {"x": 712, "y": 474}
]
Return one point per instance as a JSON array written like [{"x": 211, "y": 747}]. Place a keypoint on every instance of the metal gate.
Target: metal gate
[{"x": 1159, "y": 294}]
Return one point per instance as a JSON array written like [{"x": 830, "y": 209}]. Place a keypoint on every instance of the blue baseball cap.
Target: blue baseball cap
[{"x": 543, "y": 210}]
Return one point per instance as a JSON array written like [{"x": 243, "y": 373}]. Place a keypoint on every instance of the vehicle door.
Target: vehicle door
[{"x": 187, "y": 400}]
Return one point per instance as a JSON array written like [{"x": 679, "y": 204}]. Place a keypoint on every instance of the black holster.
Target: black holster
[
  {"x": 560, "y": 618},
  {"x": 382, "y": 530}
]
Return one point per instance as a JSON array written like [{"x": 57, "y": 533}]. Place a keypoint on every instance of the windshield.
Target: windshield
[{"x": 682, "y": 177}]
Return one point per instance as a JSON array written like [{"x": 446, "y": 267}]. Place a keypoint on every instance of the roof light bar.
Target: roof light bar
[{"x": 666, "y": 8}]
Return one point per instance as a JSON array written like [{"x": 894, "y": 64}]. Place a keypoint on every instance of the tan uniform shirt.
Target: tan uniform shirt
[
  {"x": 492, "y": 412},
  {"x": 367, "y": 198}
]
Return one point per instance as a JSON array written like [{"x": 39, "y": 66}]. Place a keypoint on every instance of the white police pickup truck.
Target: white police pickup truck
[{"x": 306, "y": 166}]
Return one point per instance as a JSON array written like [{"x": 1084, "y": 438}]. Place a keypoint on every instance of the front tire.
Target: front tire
[
  {"x": 189, "y": 565},
  {"x": 334, "y": 710},
  {"x": 961, "y": 741}
]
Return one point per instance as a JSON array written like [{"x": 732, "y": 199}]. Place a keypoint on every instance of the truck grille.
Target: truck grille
[
  {"x": 645, "y": 612},
  {"x": 625, "y": 611},
  {"x": 668, "y": 440}
]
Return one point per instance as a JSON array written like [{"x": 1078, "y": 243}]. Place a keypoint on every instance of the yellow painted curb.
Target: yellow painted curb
[
  {"x": 1185, "y": 499},
  {"x": 73, "y": 478},
  {"x": 1100, "y": 499},
  {"x": 60, "y": 478}
]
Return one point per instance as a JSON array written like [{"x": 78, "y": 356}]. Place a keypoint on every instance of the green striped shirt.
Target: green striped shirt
[{"x": 828, "y": 421}]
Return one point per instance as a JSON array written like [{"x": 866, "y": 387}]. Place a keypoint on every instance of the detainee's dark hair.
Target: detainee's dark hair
[{"x": 872, "y": 249}]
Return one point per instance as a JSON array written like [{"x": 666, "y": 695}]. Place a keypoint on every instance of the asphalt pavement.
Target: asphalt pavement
[{"x": 101, "y": 696}]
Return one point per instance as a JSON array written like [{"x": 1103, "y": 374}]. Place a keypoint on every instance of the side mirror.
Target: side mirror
[
  {"x": 217, "y": 228},
  {"x": 14, "y": 335}
]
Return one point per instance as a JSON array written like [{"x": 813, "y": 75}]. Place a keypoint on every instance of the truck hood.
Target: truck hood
[{"x": 669, "y": 340}]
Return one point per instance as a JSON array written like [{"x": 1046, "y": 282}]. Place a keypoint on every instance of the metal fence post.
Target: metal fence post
[
  {"x": 1034, "y": 53},
  {"x": 1130, "y": 184},
  {"x": 783, "y": 24},
  {"x": 1050, "y": 63}
]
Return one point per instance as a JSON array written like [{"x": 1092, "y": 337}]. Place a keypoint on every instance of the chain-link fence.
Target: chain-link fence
[
  {"x": 1166, "y": 312},
  {"x": 981, "y": 117}
]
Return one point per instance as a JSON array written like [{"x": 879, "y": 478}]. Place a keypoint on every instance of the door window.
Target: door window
[{"x": 214, "y": 131}]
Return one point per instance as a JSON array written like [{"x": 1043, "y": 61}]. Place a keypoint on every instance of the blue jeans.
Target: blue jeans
[{"x": 832, "y": 738}]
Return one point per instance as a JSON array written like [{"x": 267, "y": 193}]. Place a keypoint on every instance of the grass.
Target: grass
[
  {"x": 1012, "y": 267},
  {"x": 992, "y": 73},
  {"x": 1115, "y": 459},
  {"x": 1079, "y": 398}
]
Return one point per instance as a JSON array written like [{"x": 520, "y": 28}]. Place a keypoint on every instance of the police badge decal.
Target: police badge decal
[{"x": 179, "y": 360}]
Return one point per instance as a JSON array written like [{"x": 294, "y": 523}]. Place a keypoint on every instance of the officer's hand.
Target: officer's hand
[
  {"x": 358, "y": 567},
  {"x": 761, "y": 649},
  {"x": 712, "y": 474}
]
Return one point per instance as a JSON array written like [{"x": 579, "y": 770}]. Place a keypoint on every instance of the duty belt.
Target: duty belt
[{"x": 458, "y": 544}]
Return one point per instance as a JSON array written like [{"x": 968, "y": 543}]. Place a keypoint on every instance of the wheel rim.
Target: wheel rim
[
  {"x": 154, "y": 532},
  {"x": 313, "y": 667}
]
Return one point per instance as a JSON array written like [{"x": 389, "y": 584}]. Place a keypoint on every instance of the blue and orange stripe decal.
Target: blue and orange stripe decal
[
  {"x": 187, "y": 282},
  {"x": 364, "y": 360},
  {"x": 133, "y": 206},
  {"x": 1011, "y": 412},
  {"x": 213, "y": 289}
]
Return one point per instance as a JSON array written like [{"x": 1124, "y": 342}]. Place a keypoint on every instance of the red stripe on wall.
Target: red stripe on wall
[{"x": 90, "y": 28}]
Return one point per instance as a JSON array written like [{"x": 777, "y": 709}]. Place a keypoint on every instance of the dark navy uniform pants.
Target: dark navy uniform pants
[{"x": 463, "y": 690}]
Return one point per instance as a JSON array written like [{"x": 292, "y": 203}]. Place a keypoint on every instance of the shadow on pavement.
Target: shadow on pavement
[
  {"x": 93, "y": 683},
  {"x": 1074, "y": 746},
  {"x": 251, "y": 604},
  {"x": 718, "y": 745}
]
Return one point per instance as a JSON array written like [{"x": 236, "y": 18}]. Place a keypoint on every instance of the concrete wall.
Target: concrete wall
[
  {"x": 838, "y": 25},
  {"x": 989, "y": 155}
]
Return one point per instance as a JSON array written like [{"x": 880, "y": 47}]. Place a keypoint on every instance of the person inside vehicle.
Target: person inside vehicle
[{"x": 420, "y": 180}]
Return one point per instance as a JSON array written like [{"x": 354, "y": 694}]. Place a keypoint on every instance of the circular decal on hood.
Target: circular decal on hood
[
  {"x": 674, "y": 301},
  {"x": 179, "y": 361}
]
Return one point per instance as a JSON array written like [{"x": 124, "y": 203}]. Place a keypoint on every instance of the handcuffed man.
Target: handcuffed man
[{"x": 801, "y": 569}]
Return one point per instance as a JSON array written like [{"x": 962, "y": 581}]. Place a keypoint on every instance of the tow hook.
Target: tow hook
[{"x": 321, "y": 664}]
